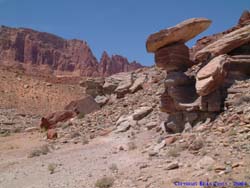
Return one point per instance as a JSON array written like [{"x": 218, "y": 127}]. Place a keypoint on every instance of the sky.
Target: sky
[{"x": 118, "y": 26}]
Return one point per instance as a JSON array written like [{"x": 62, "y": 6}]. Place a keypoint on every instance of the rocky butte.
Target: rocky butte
[{"x": 39, "y": 52}]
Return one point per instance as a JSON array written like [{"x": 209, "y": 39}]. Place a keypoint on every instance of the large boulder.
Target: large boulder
[
  {"x": 182, "y": 32},
  {"x": 110, "y": 85},
  {"x": 124, "y": 123},
  {"x": 174, "y": 123},
  {"x": 51, "y": 120},
  {"x": 124, "y": 85},
  {"x": 225, "y": 44},
  {"x": 138, "y": 83},
  {"x": 112, "y": 82},
  {"x": 173, "y": 57},
  {"x": 211, "y": 76},
  {"x": 85, "y": 105},
  {"x": 141, "y": 112}
]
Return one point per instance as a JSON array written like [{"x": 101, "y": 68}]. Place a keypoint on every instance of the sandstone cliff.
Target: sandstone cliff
[{"x": 43, "y": 53}]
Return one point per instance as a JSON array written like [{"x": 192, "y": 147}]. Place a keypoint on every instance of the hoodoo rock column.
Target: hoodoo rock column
[{"x": 195, "y": 89}]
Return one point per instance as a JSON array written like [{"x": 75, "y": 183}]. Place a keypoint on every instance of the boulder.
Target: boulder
[
  {"x": 174, "y": 123},
  {"x": 141, "y": 112},
  {"x": 124, "y": 85},
  {"x": 123, "y": 118},
  {"x": 124, "y": 123},
  {"x": 225, "y": 44},
  {"x": 52, "y": 134},
  {"x": 170, "y": 140},
  {"x": 204, "y": 162},
  {"x": 85, "y": 105},
  {"x": 110, "y": 85},
  {"x": 118, "y": 80},
  {"x": 101, "y": 100},
  {"x": 211, "y": 76},
  {"x": 137, "y": 85},
  {"x": 182, "y": 32},
  {"x": 51, "y": 120},
  {"x": 172, "y": 166},
  {"x": 174, "y": 57}
]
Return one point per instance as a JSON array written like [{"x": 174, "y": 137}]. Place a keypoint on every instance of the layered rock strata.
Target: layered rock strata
[{"x": 195, "y": 89}]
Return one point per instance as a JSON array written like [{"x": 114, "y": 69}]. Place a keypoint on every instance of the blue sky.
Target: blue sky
[{"x": 117, "y": 26}]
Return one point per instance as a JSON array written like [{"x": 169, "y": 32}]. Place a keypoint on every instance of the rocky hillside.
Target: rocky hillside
[
  {"x": 30, "y": 95},
  {"x": 39, "y": 52},
  {"x": 184, "y": 123}
]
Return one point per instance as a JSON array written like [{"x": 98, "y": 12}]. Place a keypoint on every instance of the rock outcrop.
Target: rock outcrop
[
  {"x": 207, "y": 40},
  {"x": 173, "y": 57},
  {"x": 50, "y": 121},
  {"x": 211, "y": 76},
  {"x": 195, "y": 85},
  {"x": 83, "y": 106},
  {"x": 43, "y": 53},
  {"x": 225, "y": 44},
  {"x": 180, "y": 33},
  {"x": 117, "y": 86}
]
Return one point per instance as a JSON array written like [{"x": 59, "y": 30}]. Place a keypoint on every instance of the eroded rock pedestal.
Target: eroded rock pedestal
[{"x": 195, "y": 89}]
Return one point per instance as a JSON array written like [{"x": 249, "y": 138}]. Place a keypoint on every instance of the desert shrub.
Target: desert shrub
[
  {"x": 43, "y": 150},
  {"x": 104, "y": 182},
  {"x": 52, "y": 168}
]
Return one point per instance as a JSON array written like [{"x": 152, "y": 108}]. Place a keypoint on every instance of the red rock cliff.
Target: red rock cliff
[{"x": 39, "y": 52}]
